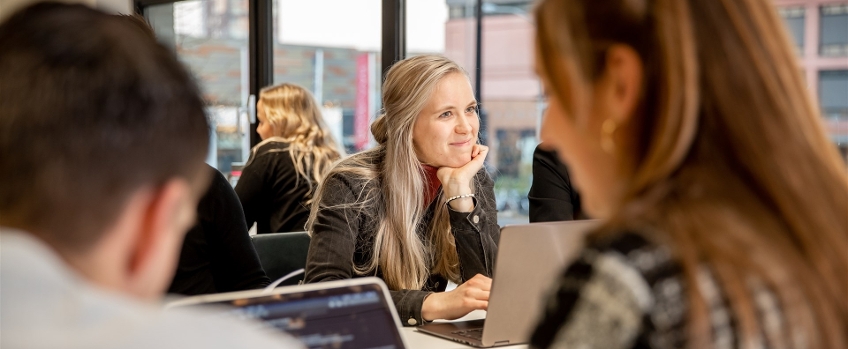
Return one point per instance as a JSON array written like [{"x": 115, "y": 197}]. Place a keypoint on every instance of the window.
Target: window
[
  {"x": 833, "y": 96},
  {"x": 332, "y": 48},
  {"x": 834, "y": 30},
  {"x": 833, "y": 93},
  {"x": 511, "y": 101},
  {"x": 210, "y": 38},
  {"x": 794, "y": 18}
]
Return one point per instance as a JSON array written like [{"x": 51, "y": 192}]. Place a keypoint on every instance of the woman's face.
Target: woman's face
[
  {"x": 446, "y": 129},
  {"x": 264, "y": 129}
]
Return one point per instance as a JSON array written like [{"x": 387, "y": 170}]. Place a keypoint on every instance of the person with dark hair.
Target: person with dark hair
[
  {"x": 217, "y": 254},
  {"x": 102, "y": 141},
  {"x": 552, "y": 197}
]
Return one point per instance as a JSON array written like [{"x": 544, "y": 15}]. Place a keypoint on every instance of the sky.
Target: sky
[
  {"x": 335, "y": 23},
  {"x": 357, "y": 23}
]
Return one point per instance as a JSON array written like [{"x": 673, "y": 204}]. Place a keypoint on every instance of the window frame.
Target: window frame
[{"x": 261, "y": 41}]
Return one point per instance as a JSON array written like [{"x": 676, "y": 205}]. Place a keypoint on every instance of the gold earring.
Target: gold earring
[{"x": 607, "y": 130}]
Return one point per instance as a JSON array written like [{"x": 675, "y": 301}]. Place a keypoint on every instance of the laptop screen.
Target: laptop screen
[{"x": 355, "y": 317}]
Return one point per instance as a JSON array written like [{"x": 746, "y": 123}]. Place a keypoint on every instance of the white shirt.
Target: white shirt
[{"x": 45, "y": 304}]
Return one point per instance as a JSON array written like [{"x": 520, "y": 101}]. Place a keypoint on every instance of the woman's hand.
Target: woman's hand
[
  {"x": 457, "y": 181},
  {"x": 471, "y": 295}
]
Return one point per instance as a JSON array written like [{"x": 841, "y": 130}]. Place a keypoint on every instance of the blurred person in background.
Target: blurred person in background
[
  {"x": 102, "y": 142},
  {"x": 277, "y": 184},
  {"x": 419, "y": 208},
  {"x": 552, "y": 196},
  {"x": 217, "y": 254},
  {"x": 688, "y": 130}
]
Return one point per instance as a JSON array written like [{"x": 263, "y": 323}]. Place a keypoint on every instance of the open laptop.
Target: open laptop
[
  {"x": 530, "y": 257},
  {"x": 356, "y": 313}
]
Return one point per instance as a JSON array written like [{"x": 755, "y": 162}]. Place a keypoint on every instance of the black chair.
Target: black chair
[{"x": 282, "y": 253}]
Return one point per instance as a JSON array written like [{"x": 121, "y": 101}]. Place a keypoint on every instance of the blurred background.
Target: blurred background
[{"x": 333, "y": 48}]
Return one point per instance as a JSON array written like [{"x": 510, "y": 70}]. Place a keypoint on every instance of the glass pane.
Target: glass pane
[
  {"x": 511, "y": 101},
  {"x": 210, "y": 37},
  {"x": 834, "y": 30},
  {"x": 332, "y": 48},
  {"x": 794, "y": 19},
  {"x": 833, "y": 92}
]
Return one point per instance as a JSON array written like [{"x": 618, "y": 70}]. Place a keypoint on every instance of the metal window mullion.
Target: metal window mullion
[{"x": 261, "y": 38}]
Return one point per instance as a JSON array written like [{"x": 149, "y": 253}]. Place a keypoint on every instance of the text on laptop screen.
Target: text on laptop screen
[{"x": 352, "y": 317}]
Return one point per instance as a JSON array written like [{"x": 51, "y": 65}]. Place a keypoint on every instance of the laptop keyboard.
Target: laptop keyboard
[{"x": 476, "y": 333}]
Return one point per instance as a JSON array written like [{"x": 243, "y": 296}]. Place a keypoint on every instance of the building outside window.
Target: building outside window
[
  {"x": 210, "y": 38},
  {"x": 794, "y": 18},
  {"x": 833, "y": 96},
  {"x": 336, "y": 54},
  {"x": 834, "y": 30},
  {"x": 820, "y": 29}
]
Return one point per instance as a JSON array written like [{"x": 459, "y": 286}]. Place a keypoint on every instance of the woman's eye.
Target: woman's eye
[
  {"x": 471, "y": 109},
  {"x": 445, "y": 114}
]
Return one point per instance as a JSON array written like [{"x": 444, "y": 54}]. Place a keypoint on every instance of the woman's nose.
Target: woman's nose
[{"x": 463, "y": 126}]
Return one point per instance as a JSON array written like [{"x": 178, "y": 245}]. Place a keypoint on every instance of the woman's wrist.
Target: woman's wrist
[
  {"x": 429, "y": 307},
  {"x": 464, "y": 204},
  {"x": 452, "y": 190},
  {"x": 459, "y": 191}
]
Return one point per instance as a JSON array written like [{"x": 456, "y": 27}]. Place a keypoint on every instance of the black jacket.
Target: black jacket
[
  {"x": 217, "y": 254},
  {"x": 270, "y": 191},
  {"x": 342, "y": 236},
  {"x": 551, "y": 196}
]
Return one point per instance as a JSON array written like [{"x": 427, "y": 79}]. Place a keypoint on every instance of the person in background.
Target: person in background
[
  {"x": 552, "y": 197},
  {"x": 217, "y": 254},
  {"x": 689, "y": 132},
  {"x": 102, "y": 141},
  {"x": 279, "y": 180},
  {"x": 418, "y": 209}
]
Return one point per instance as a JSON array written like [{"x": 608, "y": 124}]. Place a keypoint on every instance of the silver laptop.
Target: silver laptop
[
  {"x": 356, "y": 313},
  {"x": 530, "y": 257}
]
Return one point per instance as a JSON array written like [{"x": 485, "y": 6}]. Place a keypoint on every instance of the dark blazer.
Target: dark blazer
[
  {"x": 217, "y": 254},
  {"x": 270, "y": 191},
  {"x": 342, "y": 236},
  {"x": 551, "y": 196}
]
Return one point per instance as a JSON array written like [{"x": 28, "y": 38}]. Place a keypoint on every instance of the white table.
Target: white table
[{"x": 418, "y": 340}]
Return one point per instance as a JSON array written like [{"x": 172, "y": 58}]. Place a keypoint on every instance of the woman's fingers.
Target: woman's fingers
[
  {"x": 476, "y": 160},
  {"x": 481, "y": 281},
  {"x": 478, "y": 294},
  {"x": 478, "y": 305},
  {"x": 475, "y": 151}
]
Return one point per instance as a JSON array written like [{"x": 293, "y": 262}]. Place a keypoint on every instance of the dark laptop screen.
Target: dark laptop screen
[{"x": 353, "y": 317}]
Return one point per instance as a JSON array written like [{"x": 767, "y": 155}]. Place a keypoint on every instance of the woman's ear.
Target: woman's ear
[{"x": 621, "y": 84}]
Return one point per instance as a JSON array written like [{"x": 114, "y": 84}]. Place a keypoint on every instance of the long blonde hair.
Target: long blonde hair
[
  {"x": 398, "y": 199},
  {"x": 296, "y": 119},
  {"x": 734, "y": 169}
]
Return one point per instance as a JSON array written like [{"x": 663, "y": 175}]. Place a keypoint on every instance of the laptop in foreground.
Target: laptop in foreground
[
  {"x": 530, "y": 257},
  {"x": 356, "y": 313}
]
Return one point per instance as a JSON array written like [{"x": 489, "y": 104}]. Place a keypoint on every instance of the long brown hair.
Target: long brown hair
[
  {"x": 296, "y": 119},
  {"x": 398, "y": 201},
  {"x": 734, "y": 169}
]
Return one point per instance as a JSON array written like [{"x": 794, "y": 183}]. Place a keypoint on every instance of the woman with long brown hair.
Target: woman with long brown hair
[
  {"x": 689, "y": 132},
  {"x": 277, "y": 184},
  {"x": 418, "y": 210}
]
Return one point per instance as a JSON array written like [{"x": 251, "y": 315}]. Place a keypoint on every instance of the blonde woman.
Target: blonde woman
[
  {"x": 279, "y": 180},
  {"x": 687, "y": 128},
  {"x": 418, "y": 210}
]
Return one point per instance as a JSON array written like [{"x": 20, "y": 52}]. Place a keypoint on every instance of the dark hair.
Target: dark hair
[{"x": 93, "y": 108}]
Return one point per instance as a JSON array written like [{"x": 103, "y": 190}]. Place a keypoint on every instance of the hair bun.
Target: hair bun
[{"x": 379, "y": 129}]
